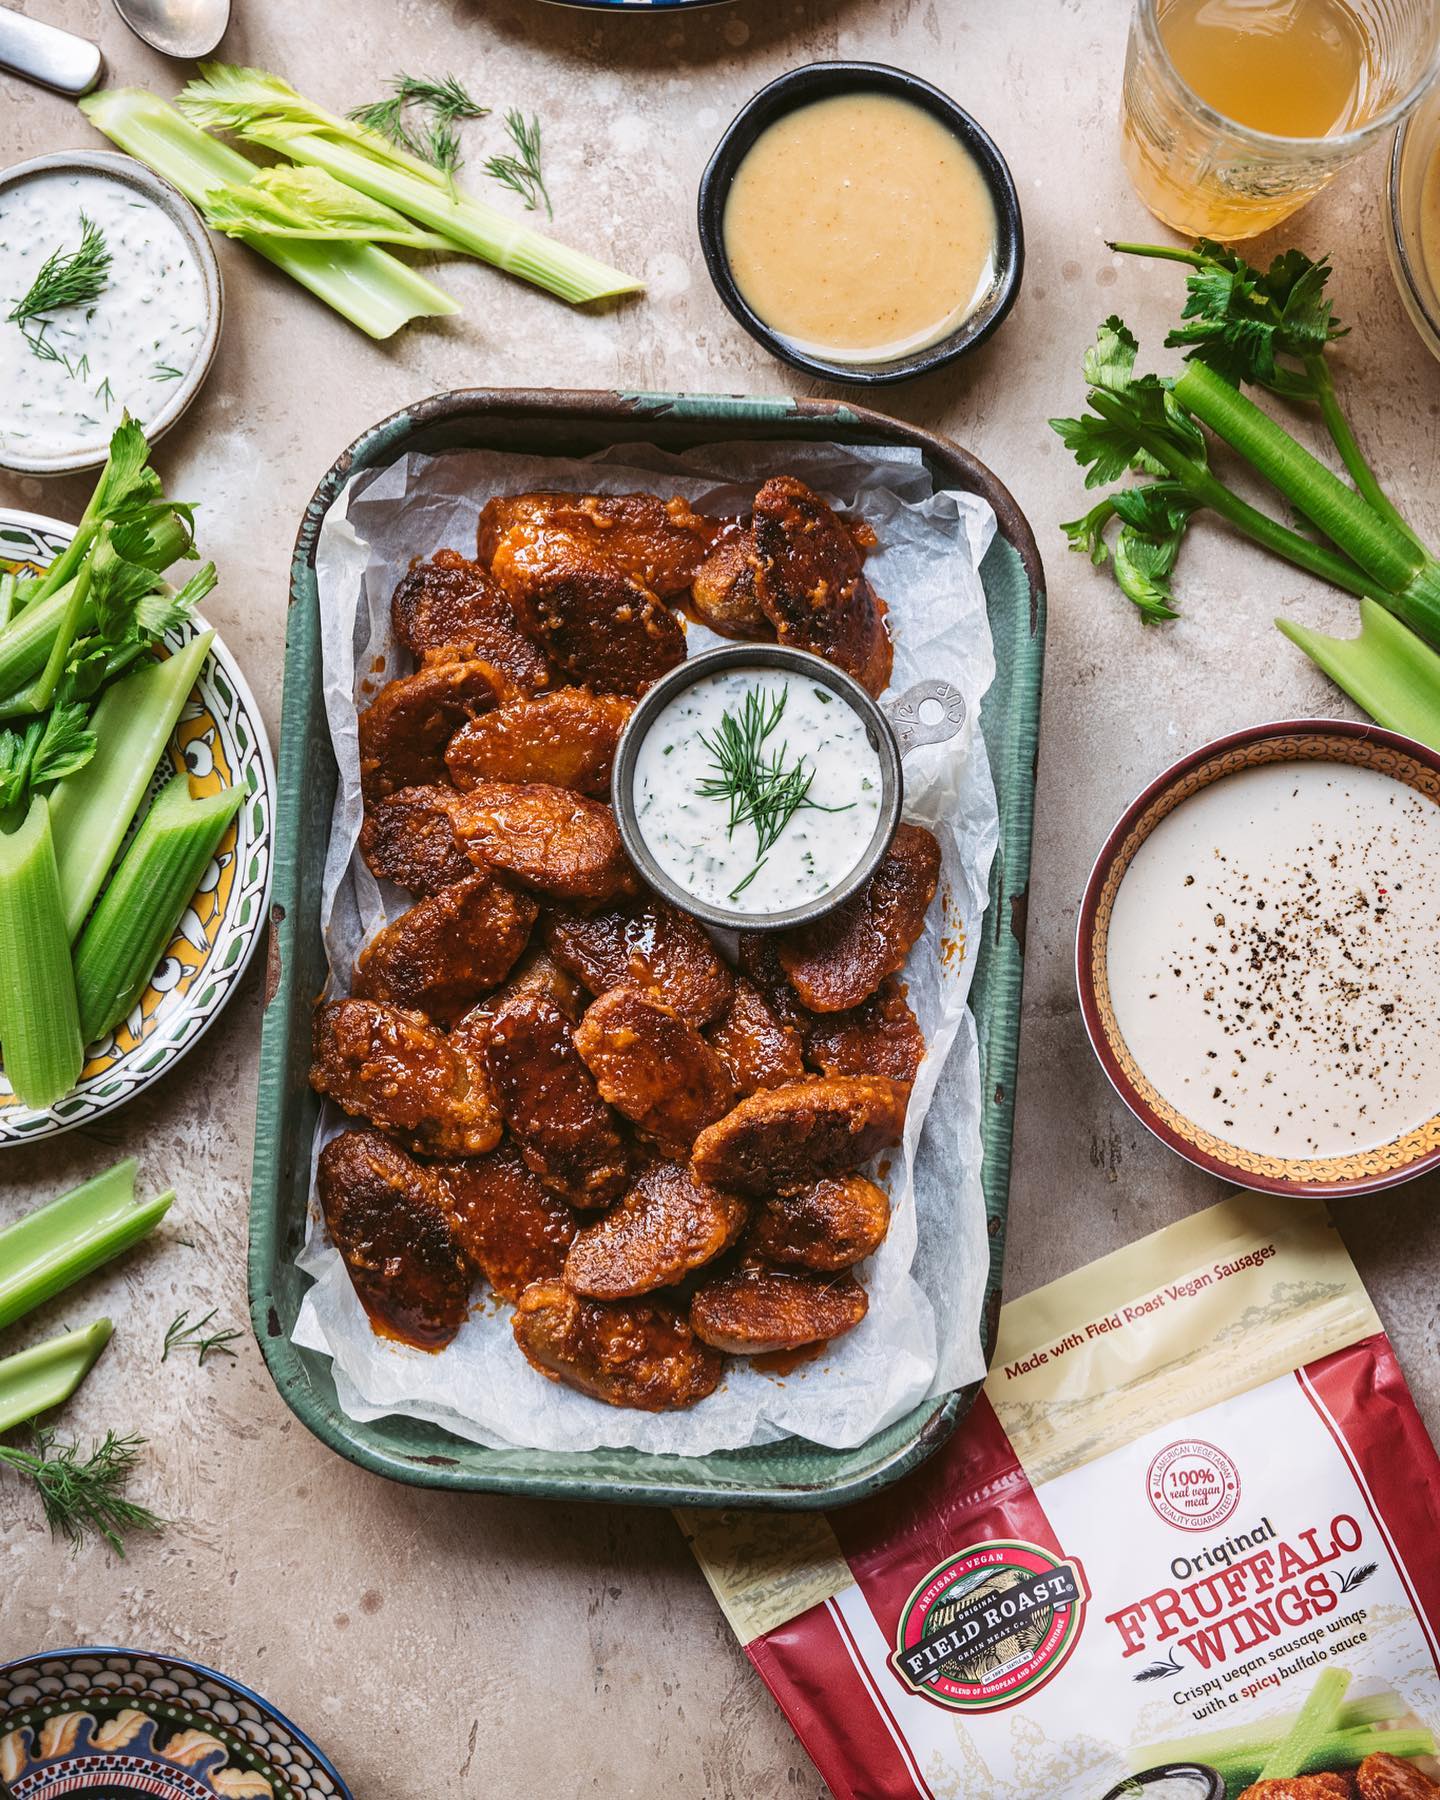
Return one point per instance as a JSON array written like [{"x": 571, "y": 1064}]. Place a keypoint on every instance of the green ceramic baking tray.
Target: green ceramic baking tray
[{"x": 791, "y": 1473}]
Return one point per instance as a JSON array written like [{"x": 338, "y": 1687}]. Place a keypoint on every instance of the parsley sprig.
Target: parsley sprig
[
  {"x": 67, "y": 278},
  {"x": 762, "y": 789}
]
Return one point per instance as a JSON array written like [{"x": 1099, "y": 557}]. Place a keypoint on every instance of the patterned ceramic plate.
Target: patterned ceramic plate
[
  {"x": 221, "y": 740},
  {"x": 108, "y": 1724},
  {"x": 1288, "y": 741}
]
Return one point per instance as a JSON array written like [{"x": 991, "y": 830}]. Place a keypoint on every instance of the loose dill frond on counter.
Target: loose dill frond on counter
[
  {"x": 434, "y": 140},
  {"x": 180, "y": 1334},
  {"x": 84, "y": 1495},
  {"x": 521, "y": 171}
]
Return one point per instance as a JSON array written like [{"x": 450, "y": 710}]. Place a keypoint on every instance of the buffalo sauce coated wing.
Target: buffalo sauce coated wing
[
  {"x": 1382, "y": 1777},
  {"x": 756, "y": 1310},
  {"x": 654, "y": 1067},
  {"x": 878, "y": 1037},
  {"x": 788, "y": 1137},
  {"x": 546, "y": 837},
  {"x": 757, "y": 1048},
  {"x": 659, "y": 543},
  {"x": 395, "y": 1069},
  {"x": 650, "y": 944},
  {"x": 667, "y": 1224},
  {"x": 627, "y": 1353},
  {"x": 1307, "y": 1787},
  {"x": 507, "y": 1222},
  {"x": 759, "y": 957},
  {"x": 725, "y": 595},
  {"x": 840, "y": 960},
  {"x": 405, "y": 728},
  {"x": 445, "y": 952},
  {"x": 567, "y": 738},
  {"x": 832, "y": 1225},
  {"x": 450, "y": 608},
  {"x": 408, "y": 839},
  {"x": 387, "y": 1215},
  {"x": 812, "y": 587},
  {"x": 565, "y": 1131}
]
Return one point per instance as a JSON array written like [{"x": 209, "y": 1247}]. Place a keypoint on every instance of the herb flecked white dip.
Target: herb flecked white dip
[
  {"x": 757, "y": 790},
  {"x": 67, "y": 373}
]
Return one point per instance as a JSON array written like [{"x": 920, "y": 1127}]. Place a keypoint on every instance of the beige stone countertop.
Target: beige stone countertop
[{"x": 483, "y": 1646}]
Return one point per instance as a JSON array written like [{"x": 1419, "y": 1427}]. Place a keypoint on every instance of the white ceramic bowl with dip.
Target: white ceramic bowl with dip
[
  {"x": 145, "y": 343},
  {"x": 1258, "y": 958},
  {"x": 825, "y": 733}
]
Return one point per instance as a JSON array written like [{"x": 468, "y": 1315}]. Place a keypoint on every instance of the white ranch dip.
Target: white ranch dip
[
  {"x": 688, "y": 831},
  {"x": 130, "y": 347},
  {"x": 1274, "y": 958}
]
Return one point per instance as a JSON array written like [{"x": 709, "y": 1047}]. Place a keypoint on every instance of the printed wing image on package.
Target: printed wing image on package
[{"x": 1183, "y": 1546}]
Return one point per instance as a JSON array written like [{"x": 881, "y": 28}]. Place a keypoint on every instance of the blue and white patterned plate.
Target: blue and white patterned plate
[
  {"x": 109, "y": 1724},
  {"x": 220, "y": 740}
]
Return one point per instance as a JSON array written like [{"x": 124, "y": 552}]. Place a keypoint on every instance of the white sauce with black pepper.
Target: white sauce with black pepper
[
  {"x": 688, "y": 832},
  {"x": 1274, "y": 958},
  {"x": 130, "y": 347}
]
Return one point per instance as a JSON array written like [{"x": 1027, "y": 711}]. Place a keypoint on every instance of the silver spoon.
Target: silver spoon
[{"x": 184, "y": 28}]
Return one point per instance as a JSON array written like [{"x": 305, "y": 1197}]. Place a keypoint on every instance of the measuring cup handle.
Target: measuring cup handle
[{"x": 904, "y": 714}]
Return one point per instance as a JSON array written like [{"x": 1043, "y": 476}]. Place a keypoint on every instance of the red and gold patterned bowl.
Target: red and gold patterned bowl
[{"x": 1293, "y": 740}]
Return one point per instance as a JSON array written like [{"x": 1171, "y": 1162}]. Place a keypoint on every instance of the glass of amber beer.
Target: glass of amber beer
[{"x": 1236, "y": 112}]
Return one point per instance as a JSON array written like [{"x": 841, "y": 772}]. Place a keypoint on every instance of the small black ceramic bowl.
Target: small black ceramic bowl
[{"x": 818, "y": 81}]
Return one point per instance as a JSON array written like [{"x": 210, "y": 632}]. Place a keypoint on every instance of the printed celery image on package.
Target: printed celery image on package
[{"x": 1182, "y": 1548}]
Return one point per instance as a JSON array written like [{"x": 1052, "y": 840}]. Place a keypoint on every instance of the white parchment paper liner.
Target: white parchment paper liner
[{"x": 927, "y": 1281}]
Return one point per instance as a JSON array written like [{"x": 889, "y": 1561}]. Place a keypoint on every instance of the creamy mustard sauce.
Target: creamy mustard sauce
[
  {"x": 1274, "y": 958},
  {"x": 688, "y": 828},
  {"x": 860, "y": 228},
  {"x": 1430, "y": 222},
  {"x": 128, "y": 348}
]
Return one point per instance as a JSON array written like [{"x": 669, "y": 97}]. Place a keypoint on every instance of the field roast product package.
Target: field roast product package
[{"x": 1182, "y": 1548}]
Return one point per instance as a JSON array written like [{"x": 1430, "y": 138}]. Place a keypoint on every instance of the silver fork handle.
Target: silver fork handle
[{"x": 44, "y": 53}]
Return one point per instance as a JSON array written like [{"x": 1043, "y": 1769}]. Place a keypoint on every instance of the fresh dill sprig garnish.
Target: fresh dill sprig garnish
[
  {"x": 521, "y": 172},
  {"x": 66, "y": 278},
  {"x": 180, "y": 1334},
  {"x": 84, "y": 1494},
  {"x": 444, "y": 104},
  {"x": 165, "y": 372},
  {"x": 762, "y": 790},
  {"x": 106, "y": 393}
]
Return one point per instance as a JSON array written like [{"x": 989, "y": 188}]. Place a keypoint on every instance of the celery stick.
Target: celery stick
[
  {"x": 46, "y": 1375},
  {"x": 47, "y": 1250},
  {"x": 140, "y": 909},
  {"x": 1334, "y": 1751},
  {"x": 9, "y": 589},
  {"x": 470, "y": 224},
  {"x": 1388, "y": 670},
  {"x": 91, "y": 810},
  {"x": 39, "y": 1026},
  {"x": 365, "y": 284},
  {"x": 1258, "y": 1737},
  {"x": 1314, "y": 1721},
  {"x": 26, "y": 642},
  {"x": 36, "y": 696}
]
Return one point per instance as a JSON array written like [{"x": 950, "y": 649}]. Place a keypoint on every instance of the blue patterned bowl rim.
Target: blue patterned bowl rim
[{"x": 272, "y": 1712}]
